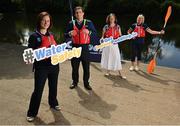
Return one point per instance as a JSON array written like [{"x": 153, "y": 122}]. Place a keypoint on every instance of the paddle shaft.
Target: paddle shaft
[
  {"x": 168, "y": 14},
  {"x": 71, "y": 10}
]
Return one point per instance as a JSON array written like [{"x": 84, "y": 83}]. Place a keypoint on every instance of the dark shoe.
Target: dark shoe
[
  {"x": 88, "y": 87},
  {"x": 57, "y": 108},
  {"x": 73, "y": 86}
]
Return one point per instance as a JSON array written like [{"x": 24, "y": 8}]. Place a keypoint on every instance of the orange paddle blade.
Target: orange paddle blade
[
  {"x": 151, "y": 66},
  {"x": 168, "y": 14}
]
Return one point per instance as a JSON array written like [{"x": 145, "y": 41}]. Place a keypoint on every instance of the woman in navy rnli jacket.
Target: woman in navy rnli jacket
[{"x": 43, "y": 69}]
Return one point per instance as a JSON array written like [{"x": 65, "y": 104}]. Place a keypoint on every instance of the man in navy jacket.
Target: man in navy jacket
[{"x": 80, "y": 30}]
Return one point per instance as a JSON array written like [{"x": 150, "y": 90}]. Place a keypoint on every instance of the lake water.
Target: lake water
[{"x": 16, "y": 28}]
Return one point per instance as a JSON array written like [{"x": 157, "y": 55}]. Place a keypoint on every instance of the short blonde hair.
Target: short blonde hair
[{"x": 141, "y": 16}]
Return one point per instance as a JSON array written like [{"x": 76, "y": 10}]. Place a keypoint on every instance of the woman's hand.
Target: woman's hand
[
  {"x": 162, "y": 32},
  {"x": 29, "y": 63}
]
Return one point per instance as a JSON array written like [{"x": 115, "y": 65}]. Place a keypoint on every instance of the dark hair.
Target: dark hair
[
  {"x": 40, "y": 18},
  {"x": 108, "y": 18},
  {"x": 78, "y": 8}
]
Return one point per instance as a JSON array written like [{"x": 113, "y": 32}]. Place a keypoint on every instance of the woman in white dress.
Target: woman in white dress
[{"x": 111, "y": 59}]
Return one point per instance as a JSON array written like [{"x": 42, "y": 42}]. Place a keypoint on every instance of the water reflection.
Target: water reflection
[
  {"x": 169, "y": 55},
  {"x": 16, "y": 28},
  {"x": 152, "y": 48},
  {"x": 24, "y": 36}
]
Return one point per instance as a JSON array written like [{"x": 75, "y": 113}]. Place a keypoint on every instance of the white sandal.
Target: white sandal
[
  {"x": 107, "y": 74},
  {"x": 122, "y": 77}
]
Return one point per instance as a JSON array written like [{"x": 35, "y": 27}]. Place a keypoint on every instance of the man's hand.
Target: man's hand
[
  {"x": 73, "y": 33},
  {"x": 86, "y": 31}
]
